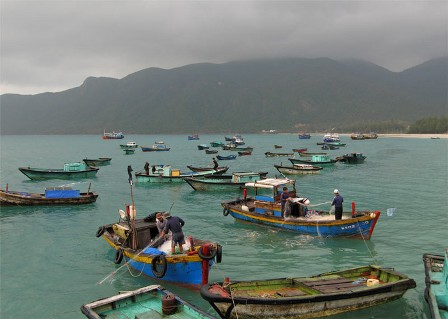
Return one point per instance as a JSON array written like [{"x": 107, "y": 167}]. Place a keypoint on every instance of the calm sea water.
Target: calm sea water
[{"x": 51, "y": 262}]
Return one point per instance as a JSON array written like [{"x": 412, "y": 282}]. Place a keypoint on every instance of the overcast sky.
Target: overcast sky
[{"x": 50, "y": 46}]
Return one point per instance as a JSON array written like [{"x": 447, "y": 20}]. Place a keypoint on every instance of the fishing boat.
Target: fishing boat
[
  {"x": 69, "y": 171},
  {"x": 300, "y": 216},
  {"x": 128, "y": 151},
  {"x": 300, "y": 150},
  {"x": 101, "y": 161},
  {"x": 203, "y": 147},
  {"x": 235, "y": 147},
  {"x": 236, "y": 180},
  {"x": 331, "y": 137},
  {"x": 307, "y": 297},
  {"x": 298, "y": 169},
  {"x": 216, "y": 144},
  {"x": 137, "y": 242},
  {"x": 370, "y": 136},
  {"x": 158, "y": 146},
  {"x": 318, "y": 160},
  {"x": 278, "y": 146},
  {"x": 149, "y": 302},
  {"x": 51, "y": 196},
  {"x": 207, "y": 151},
  {"x": 225, "y": 158},
  {"x": 329, "y": 147},
  {"x": 166, "y": 174},
  {"x": 244, "y": 153},
  {"x": 357, "y": 136},
  {"x": 219, "y": 170},
  {"x": 193, "y": 137},
  {"x": 436, "y": 281},
  {"x": 129, "y": 144},
  {"x": 112, "y": 135},
  {"x": 352, "y": 158},
  {"x": 304, "y": 136},
  {"x": 271, "y": 154}
]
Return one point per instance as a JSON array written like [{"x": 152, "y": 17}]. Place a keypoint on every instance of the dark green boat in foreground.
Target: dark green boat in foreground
[{"x": 70, "y": 171}]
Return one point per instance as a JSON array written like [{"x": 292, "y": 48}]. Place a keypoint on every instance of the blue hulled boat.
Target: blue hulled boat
[
  {"x": 299, "y": 215},
  {"x": 137, "y": 242},
  {"x": 223, "y": 158}
]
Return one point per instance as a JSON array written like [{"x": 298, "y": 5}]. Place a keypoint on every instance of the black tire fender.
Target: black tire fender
[
  {"x": 226, "y": 210},
  {"x": 219, "y": 254},
  {"x": 159, "y": 260},
  {"x": 118, "y": 256},
  {"x": 213, "y": 252},
  {"x": 100, "y": 231}
]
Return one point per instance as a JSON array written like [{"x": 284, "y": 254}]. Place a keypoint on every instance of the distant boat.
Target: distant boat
[
  {"x": 129, "y": 145},
  {"x": 207, "y": 151},
  {"x": 352, "y": 158},
  {"x": 244, "y": 153},
  {"x": 329, "y": 147},
  {"x": 318, "y": 160},
  {"x": 298, "y": 169},
  {"x": 310, "y": 154},
  {"x": 224, "y": 182},
  {"x": 278, "y": 146},
  {"x": 167, "y": 174},
  {"x": 300, "y": 150},
  {"x": 101, "y": 161},
  {"x": 149, "y": 302},
  {"x": 357, "y": 136},
  {"x": 112, "y": 136},
  {"x": 159, "y": 146},
  {"x": 304, "y": 136},
  {"x": 216, "y": 144},
  {"x": 223, "y": 158},
  {"x": 70, "y": 171},
  {"x": 370, "y": 136},
  {"x": 52, "y": 196},
  {"x": 193, "y": 137},
  {"x": 307, "y": 297},
  {"x": 271, "y": 154},
  {"x": 203, "y": 147},
  {"x": 331, "y": 137}
]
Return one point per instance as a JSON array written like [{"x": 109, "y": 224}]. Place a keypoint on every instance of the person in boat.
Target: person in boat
[
  {"x": 215, "y": 164},
  {"x": 174, "y": 224},
  {"x": 283, "y": 198},
  {"x": 160, "y": 222},
  {"x": 337, "y": 203},
  {"x": 146, "y": 167}
]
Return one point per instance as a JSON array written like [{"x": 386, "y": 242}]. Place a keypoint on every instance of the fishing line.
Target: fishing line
[{"x": 365, "y": 242}]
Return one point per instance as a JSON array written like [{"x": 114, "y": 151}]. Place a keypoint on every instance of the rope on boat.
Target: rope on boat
[{"x": 365, "y": 242}]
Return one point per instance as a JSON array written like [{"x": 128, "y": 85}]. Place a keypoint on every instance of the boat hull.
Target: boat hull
[
  {"x": 296, "y": 170},
  {"x": 310, "y": 162},
  {"x": 98, "y": 161},
  {"x": 436, "y": 290},
  {"x": 312, "y": 297},
  {"x": 29, "y": 199},
  {"x": 159, "y": 178},
  {"x": 41, "y": 174}
]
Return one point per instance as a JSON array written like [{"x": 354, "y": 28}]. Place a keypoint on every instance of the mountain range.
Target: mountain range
[{"x": 288, "y": 95}]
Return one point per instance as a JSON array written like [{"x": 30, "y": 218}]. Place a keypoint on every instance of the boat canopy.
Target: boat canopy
[{"x": 271, "y": 183}]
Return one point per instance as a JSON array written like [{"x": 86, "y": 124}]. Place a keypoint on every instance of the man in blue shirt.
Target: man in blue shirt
[
  {"x": 337, "y": 202},
  {"x": 174, "y": 224}
]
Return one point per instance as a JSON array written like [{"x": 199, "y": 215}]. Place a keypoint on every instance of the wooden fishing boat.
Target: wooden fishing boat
[
  {"x": 300, "y": 216},
  {"x": 278, "y": 146},
  {"x": 137, "y": 242},
  {"x": 244, "y": 153},
  {"x": 370, "y": 136},
  {"x": 352, "y": 158},
  {"x": 298, "y": 169},
  {"x": 318, "y": 160},
  {"x": 112, "y": 135},
  {"x": 207, "y": 151},
  {"x": 300, "y": 150},
  {"x": 307, "y": 297},
  {"x": 101, "y": 161},
  {"x": 436, "y": 281},
  {"x": 156, "y": 147},
  {"x": 219, "y": 170},
  {"x": 236, "y": 148},
  {"x": 149, "y": 302},
  {"x": 236, "y": 180},
  {"x": 129, "y": 145},
  {"x": 167, "y": 174},
  {"x": 329, "y": 147},
  {"x": 271, "y": 154},
  {"x": 357, "y": 136},
  {"x": 70, "y": 171},
  {"x": 224, "y": 158},
  {"x": 52, "y": 196}
]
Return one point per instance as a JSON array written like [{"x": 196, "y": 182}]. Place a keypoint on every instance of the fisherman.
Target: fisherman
[
  {"x": 146, "y": 167},
  {"x": 215, "y": 164},
  {"x": 174, "y": 224},
  {"x": 337, "y": 203}
]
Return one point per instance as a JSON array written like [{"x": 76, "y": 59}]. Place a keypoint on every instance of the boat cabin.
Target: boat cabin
[
  {"x": 165, "y": 170},
  {"x": 320, "y": 158},
  {"x": 75, "y": 167}
]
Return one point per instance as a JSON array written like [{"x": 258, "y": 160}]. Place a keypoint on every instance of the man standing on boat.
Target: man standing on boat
[
  {"x": 215, "y": 164},
  {"x": 146, "y": 168},
  {"x": 174, "y": 224},
  {"x": 283, "y": 198},
  {"x": 337, "y": 202}
]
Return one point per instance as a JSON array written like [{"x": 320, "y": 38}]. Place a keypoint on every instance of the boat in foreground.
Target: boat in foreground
[
  {"x": 298, "y": 169},
  {"x": 265, "y": 209},
  {"x": 52, "y": 196},
  {"x": 307, "y": 297},
  {"x": 436, "y": 281},
  {"x": 97, "y": 161},
  {"x": 70, "y": 170},
  {"x": 224, "y": 182},
  {"x": 137, "y": 241},
  {"x": 147, "y": 302}
]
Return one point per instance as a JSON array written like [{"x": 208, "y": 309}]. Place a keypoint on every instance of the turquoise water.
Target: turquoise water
[{"x": 52, "y": 263}]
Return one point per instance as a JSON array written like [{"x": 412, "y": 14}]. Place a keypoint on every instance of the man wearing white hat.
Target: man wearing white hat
[{"x": 337, "y": 202}]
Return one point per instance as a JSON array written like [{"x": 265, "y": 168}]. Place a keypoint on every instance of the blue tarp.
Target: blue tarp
[
  {"x": 153, "y": 251},
  {"x": 61, "y": 193}
]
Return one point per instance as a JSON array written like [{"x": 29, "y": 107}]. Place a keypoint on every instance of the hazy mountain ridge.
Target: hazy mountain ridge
[{"x": 242, "y": 96}]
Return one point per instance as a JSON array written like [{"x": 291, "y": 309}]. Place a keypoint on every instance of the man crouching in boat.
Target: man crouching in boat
[{"x": 174, "y": 224}]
